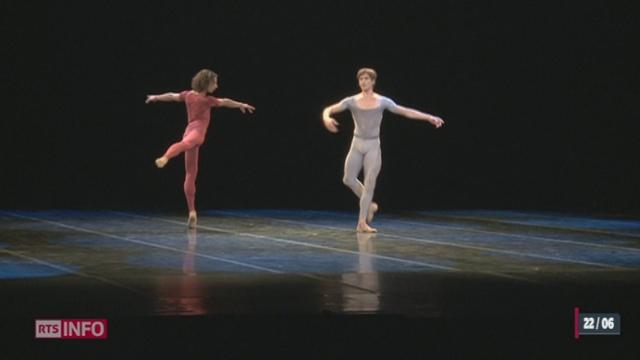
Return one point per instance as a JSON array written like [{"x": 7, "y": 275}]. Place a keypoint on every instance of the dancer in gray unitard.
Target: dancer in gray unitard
[{"x": 366, "y": 109}]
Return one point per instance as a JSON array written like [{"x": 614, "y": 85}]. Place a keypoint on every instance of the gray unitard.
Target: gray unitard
[{"x": 365, "y": 149}]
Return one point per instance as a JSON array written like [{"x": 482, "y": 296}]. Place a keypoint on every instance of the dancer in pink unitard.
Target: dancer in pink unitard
[{"x": 199, "y": 105}]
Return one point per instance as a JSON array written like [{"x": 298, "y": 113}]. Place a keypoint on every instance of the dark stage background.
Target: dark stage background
[{"x": 539, "y": 99}]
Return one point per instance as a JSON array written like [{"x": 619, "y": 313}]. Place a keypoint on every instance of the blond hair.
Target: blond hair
[
  {"x": 202, "y": 79},
  {"x": 372, "y": 73}
]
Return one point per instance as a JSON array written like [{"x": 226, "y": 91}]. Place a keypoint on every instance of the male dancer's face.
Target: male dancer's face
[{"x": 365, "y": 82}]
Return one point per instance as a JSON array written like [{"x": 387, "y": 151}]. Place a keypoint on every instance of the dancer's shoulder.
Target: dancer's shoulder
[
  {"x": 386, "y": 102},
  {"x": 184, "y": 93},
  {"x": 349, "y": 100}
]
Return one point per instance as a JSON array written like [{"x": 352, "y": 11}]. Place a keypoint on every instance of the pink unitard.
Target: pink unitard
[{"x": 199, "y": 114}]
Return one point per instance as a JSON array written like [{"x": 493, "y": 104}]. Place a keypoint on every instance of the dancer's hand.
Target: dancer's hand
[
  {"x": 437, "y": 122},
  {"x": 246, "y": 108},
  {"x": 331, "y": 124},
  {"x": 150, "y": 98}
]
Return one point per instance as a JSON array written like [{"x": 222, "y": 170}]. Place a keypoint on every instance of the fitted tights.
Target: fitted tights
[
  {"x": 363, "y": 153},
  {"x": 190, "y": 145}
]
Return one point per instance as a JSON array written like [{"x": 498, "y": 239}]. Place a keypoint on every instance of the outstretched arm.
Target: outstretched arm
[
  {"x": 163, "y": 97},
  {"x": 417, "y": 115},
  {"x": 330, "y": 123},
  {"x": 236, "y": 105}
]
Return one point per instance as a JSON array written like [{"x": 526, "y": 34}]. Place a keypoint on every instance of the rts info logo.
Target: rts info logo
[{"x": 71, "y": 329}]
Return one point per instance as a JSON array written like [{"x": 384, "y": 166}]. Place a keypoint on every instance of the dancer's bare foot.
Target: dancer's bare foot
[
  {"x": 161, "y": 162},
  {"x": 193, "y": 220},
  {"x": 372, "y": 211},
  {"x": 363, "y": 227}
]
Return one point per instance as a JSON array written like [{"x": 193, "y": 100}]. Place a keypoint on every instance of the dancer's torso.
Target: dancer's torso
[
  {"x": 198, "y": 109},
  {"x": 367, "y": 120}
]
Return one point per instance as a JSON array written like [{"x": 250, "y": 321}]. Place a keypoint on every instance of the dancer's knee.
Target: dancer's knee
[
  {"x": 193, "y": 142},
  {"x": 369, "y": 184},
  {"x": 350, "y": 181},
  {"x": 189, "y": 190}
]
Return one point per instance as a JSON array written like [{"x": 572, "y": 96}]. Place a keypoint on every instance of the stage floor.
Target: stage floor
[{"x": 445, "y": 274}]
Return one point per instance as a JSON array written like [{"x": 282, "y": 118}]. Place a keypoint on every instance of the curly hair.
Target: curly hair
[{"x": 202, "y": 79}]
